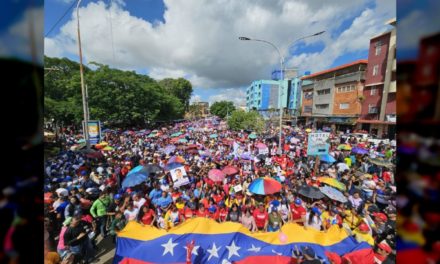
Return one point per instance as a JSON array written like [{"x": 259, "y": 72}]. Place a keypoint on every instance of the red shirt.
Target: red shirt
[
  {"x": 202, "y": 214},
  {"x": 187, "y": 213},
  {"x": 260, "y": 217},
  {"x": 223, "y": 213},
  {"x": 148, "y": 217},
  {"x": 217, "y": 198},
  {"x": 297, "y": 212}
]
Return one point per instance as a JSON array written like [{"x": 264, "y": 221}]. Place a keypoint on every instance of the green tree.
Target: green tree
[
  {"x": 115, "y": 96},
  {"x": 180, "y": 88},
  {"x": 222, "y": 108},
  {"x": 246, "y": 120}
]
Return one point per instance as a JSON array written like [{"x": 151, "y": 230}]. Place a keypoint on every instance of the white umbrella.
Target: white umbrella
[{"x": 333, "y": 194}]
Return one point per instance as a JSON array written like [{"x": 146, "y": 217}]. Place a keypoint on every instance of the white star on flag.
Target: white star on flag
[
  {"x": 169, "y": 247},
  {"x": 194, "y": 251},
  {"x": 254, "y": 249},
  {"x": 213, "y": 252},
  {"x": 278, "y": 253},
  {"x": 225, "y": 261},
  {"x": 233, "y": 250}
]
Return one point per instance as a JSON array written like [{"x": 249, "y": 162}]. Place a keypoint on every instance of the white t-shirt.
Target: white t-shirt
[
  {"x": 138, "y": 204},
  {"x": 316, "y": 223},
  {"x": 131, "y": 215}
]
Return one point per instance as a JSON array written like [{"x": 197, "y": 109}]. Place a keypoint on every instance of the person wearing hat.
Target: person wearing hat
[
  {"x": 313, "y": 219},
  {"x": 382, "y": 252},
  {"x": 306, "y": 256},
  {"x": 363, "y": 234},
  {"x": 379, "y": 223},
  {"x": 297, "y": 212}
]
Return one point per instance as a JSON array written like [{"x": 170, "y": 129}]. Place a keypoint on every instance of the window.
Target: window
[
  {"x": 325, "y": 91},
  {"x": 373, "y": 109},
  {"x": 348, "y": 88},
  {"x": 378, "y": 47},
  {"x": 308, "y": 95},
  {"x": 307, "y": 109},
  {"x": 375, "y": 70},
  {"x": 321, "y": 106},
  {"x": 344, "y": 106},
  {"x": 373, "y": 90}
]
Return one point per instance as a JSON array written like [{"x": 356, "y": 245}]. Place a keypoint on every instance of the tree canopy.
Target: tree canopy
[
  {"x": 246, "y": 120},
  {"x": 222, "y": 108},
  {"x": 115, "y": 96},
  {"x": 180, "y": 88}
]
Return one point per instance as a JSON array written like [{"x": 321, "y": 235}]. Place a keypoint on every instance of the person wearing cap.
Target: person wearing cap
[
  {"x": 261, "y": 217},
  {"x": 306, "y": 256},
  {"x": 331, "y": 217},
  {"x": 382, "y": 252},
  {"x": 313, "y": 219},
  {"x": 297, "y": 212},
  {"x": 363, "y": 234},
  {"x": 379, "y": 223},
  {"x": 333, "y": 258}
]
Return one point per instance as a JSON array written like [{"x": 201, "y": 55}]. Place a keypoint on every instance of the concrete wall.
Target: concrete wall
[
  {"x": 325, "y": 98},
  {"x": 350, "y": 98},
  {"x": 380, "y": 59},
  {"x": 371, "y": 99}
]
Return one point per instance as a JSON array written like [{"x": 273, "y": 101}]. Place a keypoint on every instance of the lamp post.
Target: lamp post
[
  {"x": 281, "y": 77},
  {"x": 83, "y": 89}
]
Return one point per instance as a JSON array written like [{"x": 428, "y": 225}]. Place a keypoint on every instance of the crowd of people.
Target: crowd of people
[{"x": 88, "y": 195}]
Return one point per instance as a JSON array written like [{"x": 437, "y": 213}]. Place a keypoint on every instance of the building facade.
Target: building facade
[
  {"x": 332, "y": 97},
  {"x": 294, "y": 96},
  {"x": 379, "y": 97},
  {"x": 263, "y": 95}
]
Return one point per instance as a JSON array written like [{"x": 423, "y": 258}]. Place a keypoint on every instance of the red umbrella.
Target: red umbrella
[
  {"x": 216, "y": 175},
  {"x": 261, "y": 146},
  {"x": 230, "y": 170},
  {"x": 193, "y": 151},
  {"x": 192, "y": 146}
]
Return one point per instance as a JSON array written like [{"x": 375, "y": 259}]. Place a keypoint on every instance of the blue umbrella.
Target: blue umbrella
[
  {"x": 360, "y": 151},
  {"x": 136, "y": 176},
  {"x": 133, "y": 180},
  {"x": 333, "y": 194},
  {"x": 327, "y": 158},
  {"x": 213, "y": 136},
  {"x": 183, "y": 140},
  {"x": 246, "y": 156},
  {"x": 173, "y": 165},
  {"x": 252, "y": 136}
]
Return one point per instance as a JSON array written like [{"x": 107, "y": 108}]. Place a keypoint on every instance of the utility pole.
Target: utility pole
[{"x": 83, "y": 88}]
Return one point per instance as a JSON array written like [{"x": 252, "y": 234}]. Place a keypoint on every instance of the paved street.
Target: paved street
[{"x": 106, "y": 251}]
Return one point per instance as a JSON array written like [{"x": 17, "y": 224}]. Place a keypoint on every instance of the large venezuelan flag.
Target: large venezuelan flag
[{"x": 225, "y": 243}]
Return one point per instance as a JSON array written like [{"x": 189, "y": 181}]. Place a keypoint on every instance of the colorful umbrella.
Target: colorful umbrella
[
  {"x": 81, "y": 141},
  {"x": 152, "y": 135},
  {"x": 213, "y": 136},
  {"x": 173, "y": 165},
  {"x": 183, "y": 140},
  {"x": 333, "y": 194},
  {"x": 108, "y": 148},
  {"x": 327, "y": 158},
  {"x": 344, "y": 147},
  {"x": 311, "y": 192},
  {"x": 252, "y": 136},
  {"x": 332, "y": 182},
  {"x": 168, "y": 149},
  {"x": 133, "y": 180},
  {"x": 265, "y": 186},
  {"x": 178, "y": 159},
  {"x": 192, "y": 146},
  {"x": 216, "y": 175},
  {"x": 381, "y": 162},
  {"x": 261, "y": 146},
  {"x": 308, "y": 130},
  {"x": 230, "y": 170},
  {"x": 246, "y": 156},
  {"x": 358, "y": 150},
  {"x": 176, "y": 134}
]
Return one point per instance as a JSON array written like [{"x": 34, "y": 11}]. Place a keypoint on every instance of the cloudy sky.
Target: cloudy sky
[{"x": 198, "y": 39}]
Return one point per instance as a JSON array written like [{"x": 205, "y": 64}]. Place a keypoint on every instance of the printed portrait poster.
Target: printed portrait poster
[{"x": 179, "y": 176}]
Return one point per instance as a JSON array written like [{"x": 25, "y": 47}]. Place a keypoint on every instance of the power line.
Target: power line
[{"x": 61, "y": 18}]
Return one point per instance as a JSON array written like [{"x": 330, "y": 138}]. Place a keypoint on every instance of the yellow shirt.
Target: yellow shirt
[
  {"x": 363, "y": 237},
  {"x": 351, "y": 220},
  {"x": 348, "y": 161}
]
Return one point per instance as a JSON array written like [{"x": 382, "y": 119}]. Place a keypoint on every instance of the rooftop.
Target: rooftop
[{"x": 335, "y": 69}]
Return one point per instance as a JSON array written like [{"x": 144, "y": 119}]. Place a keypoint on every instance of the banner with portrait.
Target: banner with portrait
[{"x": 179, "y": 176}]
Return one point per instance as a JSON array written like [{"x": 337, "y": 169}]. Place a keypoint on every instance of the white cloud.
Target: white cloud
[
  {"x": 195, "y": 98},
  {"x": 235, "y": 95},
  {"x": 417, "y": 25},
  {"x": 199, "y": 39},
  {"x": 18, "y": 40}
]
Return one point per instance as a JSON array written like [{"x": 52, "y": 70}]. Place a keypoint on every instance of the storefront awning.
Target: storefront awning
[{"x": 365, "y": 121}]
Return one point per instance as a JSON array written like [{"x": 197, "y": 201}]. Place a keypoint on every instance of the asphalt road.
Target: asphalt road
[{"x": 106, "y": 251}]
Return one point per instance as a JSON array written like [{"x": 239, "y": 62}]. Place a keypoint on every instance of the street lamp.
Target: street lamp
[
  {"x": 83, "y": 91},
  {"x": 281, "y": 77}
]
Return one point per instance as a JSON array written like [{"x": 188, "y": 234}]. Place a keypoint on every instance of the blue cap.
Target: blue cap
[
  {"x": 117, "y": 197},
  {"x": 298, "y": 201},
  {"x": 212, "y": 209},
  {"x": 83, "y": 173},
  {"x": 316, "y": 210}
]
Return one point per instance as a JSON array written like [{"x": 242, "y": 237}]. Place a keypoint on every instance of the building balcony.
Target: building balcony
[
  {"x": 350, "y": 77},
  {"x": 392, "y": 87}
]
